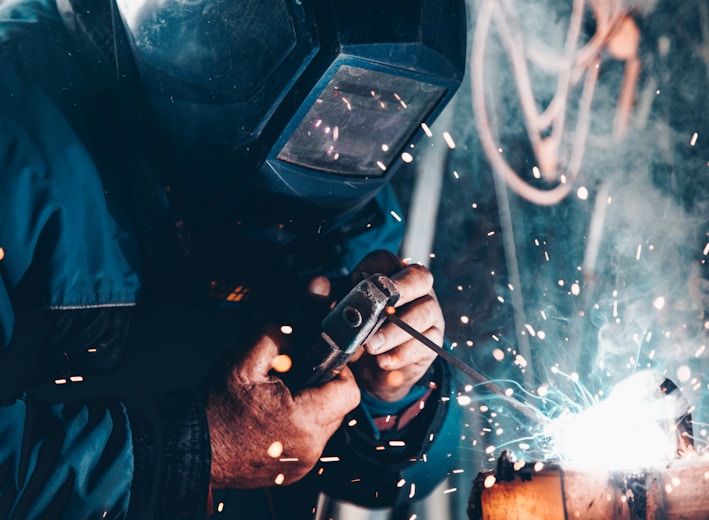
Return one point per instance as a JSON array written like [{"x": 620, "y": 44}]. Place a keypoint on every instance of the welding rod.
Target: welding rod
[{"x": 463, "y": 367}]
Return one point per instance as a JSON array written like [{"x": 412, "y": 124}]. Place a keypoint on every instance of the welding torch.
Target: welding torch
[{"x": 355, "y": 318}]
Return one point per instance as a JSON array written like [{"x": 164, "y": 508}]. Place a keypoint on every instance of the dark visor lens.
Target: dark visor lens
[{"x": 360, "y": 122}]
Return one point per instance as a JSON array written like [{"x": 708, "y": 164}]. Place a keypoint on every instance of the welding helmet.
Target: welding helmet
[{"x": 307, "y": 103}]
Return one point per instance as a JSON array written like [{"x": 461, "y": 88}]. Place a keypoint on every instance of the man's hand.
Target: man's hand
[
  {"x": 393, "y": 361},
  {"x": 263, "y": 435}
]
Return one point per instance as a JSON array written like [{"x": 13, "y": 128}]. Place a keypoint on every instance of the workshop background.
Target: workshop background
[{"x": 561, "y": 202}]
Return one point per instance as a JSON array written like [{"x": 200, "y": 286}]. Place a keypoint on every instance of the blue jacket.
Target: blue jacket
[{"x": 101, "y": 306}]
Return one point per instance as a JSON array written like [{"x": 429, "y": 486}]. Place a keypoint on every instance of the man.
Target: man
[{"x": 171, "y": 208}]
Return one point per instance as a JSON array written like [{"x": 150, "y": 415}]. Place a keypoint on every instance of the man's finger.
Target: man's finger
[
  {"x": 320, "y": 286},
  {"x": 329, "y": 403},
  {"x": 380, "y": 261},
  {"x": 412, "y": 282},
  {"x": 254, "y": 367},
  {"x": 411, "y": 353},
  {"x": 423, "y": 316}
]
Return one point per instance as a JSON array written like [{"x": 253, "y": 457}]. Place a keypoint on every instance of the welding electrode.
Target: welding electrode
[{"x": 450, "y": 358}]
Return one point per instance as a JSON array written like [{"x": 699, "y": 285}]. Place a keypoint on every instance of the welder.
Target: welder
[{"x": 185, "y": 186}]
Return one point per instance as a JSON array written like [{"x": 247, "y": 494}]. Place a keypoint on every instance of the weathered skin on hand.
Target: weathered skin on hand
[{"x": 256, "y": 410}]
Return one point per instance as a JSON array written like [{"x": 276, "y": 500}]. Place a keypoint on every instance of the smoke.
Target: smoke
[{"x": 610, "y": 279}]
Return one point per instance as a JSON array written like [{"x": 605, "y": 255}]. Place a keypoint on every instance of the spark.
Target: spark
[
  {"x": 282, "y": 363},
  {"x": 464, "y": 400},
  {"x": 330, "y": 459},
  {"x": 401, "y": 101},
  {"x": 76, "y": 379},
  {"x": 684, "y": 373},
  {"x": 275, "y": 450},
  {"x": 695, "y": 135},
  {"x": 381, "y": 166},
  {"x": 395, "y": 215},
  {"x": 489, "y": 481},
  {"x": 449, "y": 140},
  {"x": 2, "y": 253},
  {"x": 659, "y": 303},
  {"x": 536, "y": 172},
  {"x": 286, "y": 329},
  {"x": 464, "y": 319},
  {"x": 407, "y": 157},
  {"x": 280, "y": 479},
  {"x": 426, "y": 130},
  {"x": 630, "y": 425},
  {"x": 638, "y": 250},
  {"x": 582, "y": 193},
  {"x": 449, "y": 490}
]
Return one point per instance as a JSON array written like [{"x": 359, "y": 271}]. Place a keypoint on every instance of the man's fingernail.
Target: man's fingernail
[{"x": 376, "y": 341}]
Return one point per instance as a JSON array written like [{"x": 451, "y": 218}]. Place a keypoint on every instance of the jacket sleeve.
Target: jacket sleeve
[
  {"x": 66, "y": 254},
  {"x": 64, "y": 460},
  {"x": 101, "y": 459}
]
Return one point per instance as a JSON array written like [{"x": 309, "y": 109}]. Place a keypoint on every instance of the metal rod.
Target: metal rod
[{"x": 460, "y": 365}]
